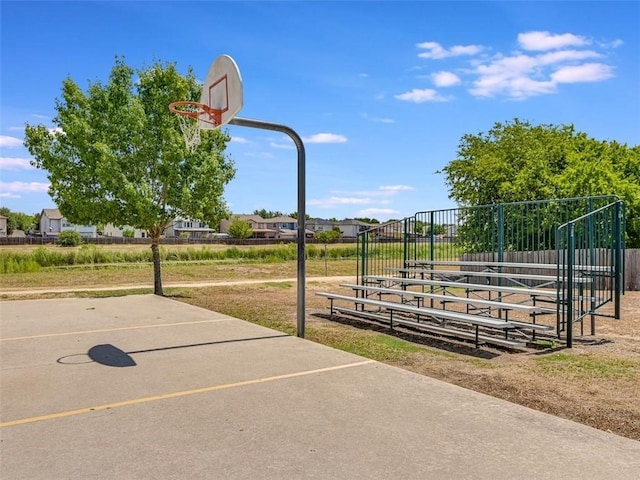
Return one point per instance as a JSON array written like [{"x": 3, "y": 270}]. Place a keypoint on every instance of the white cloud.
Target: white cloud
[
  {"x": 373, "y": 212},
  {"x": 325, "y": 138},
  {"x": 542, "y": 41},
  {"x": 544, "y": 61},
  {"x": 285, "y": 146},
  {"x": 437, "y": 51},
  {"x": 445, "y": 79},
  {"x": 395, "y": 188},
  {"x": 377, "y": 197},
  {"x": 418, "y": 95},
  {"x": 15, "y": 163},
  {"x": 235, "y": 139},
  {"x": 588, "y": 72},
  {"x": 16, "y": 189},
  {"x": 10, "y": 142}
]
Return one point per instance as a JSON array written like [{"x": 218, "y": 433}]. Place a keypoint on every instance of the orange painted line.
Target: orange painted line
[
  {"x": 82, "y": 332},
  {"x": 184, "y": 393}
]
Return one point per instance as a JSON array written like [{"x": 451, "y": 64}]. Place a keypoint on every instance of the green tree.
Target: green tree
[
  {"x": 19, "y": 220},
  {"x": 295, "y": 216},
  {"x": 327, "y": 237},
  {"x": 69, "y": 238},
  {"x": 517, "y": 161},
  {"x": 118, "y": 155},
  {"x": 239, "y": 228},
  {"x": 268, "y": 213}
]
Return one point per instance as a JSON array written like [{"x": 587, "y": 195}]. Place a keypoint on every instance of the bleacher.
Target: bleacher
[{"x": 491, "y": 298}]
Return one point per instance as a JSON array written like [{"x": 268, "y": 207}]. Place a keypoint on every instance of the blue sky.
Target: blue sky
[{"x": 381, "y": 92}]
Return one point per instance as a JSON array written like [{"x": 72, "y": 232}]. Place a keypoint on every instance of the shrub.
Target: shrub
[{"x": 69, "y": 238}]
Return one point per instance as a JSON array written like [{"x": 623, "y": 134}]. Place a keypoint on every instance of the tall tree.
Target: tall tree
[
  {"x": 518, "y": 161},
  {"x": 118, "y": 156},
  {"x": 240, "y": 229}
]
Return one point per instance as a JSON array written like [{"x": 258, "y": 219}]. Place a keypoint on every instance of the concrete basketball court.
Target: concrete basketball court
[{"x": 144, "y": 387}]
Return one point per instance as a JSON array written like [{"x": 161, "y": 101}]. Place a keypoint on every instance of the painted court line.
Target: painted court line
[
  {"x": 184, "y": 393},
  {"x": 45, "y": 335}
]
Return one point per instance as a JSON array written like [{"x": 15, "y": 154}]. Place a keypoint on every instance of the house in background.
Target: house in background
[
  {"x": 275, "y": 228},
  {"x": 187, "y": 228},
  {"x": 3, "y": 226},
  {"x": 257, "y": 224},
  {"x": 349, "y": 228},
  {"x": 113, "y": 231},
  {"x": 52, "y": 223}
]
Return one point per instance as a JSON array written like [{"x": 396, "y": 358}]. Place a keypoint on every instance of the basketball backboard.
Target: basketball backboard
[{"x": 222, "y": 91}]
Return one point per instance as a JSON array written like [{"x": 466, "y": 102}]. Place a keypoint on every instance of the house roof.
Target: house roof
[
  {"x": 251, "y": 218},
  {"x": 52, "y": 213},
  {"x": 280, "y": 220}
]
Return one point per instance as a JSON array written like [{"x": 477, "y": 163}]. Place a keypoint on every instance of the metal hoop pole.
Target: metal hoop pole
[{"x": 246, "y": 122}]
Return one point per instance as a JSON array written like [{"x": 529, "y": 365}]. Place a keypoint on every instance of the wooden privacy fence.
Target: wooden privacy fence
[{"x": 632, "y": 270}]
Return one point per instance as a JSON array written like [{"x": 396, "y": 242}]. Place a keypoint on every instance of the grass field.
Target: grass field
[{"x": 596, "y": 383}]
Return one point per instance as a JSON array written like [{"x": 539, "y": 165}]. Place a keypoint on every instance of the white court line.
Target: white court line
[
  {"x": 183, "y": 393},
  {"x": 45, "y": 335}
]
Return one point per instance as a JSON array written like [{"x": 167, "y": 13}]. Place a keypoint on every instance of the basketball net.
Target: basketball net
[
  {"x": 189, "y": 116},
  {"x": 190, "y": 131}
]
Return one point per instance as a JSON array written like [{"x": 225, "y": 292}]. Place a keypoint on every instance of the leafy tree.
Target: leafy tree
[
  {"x": 128, "y": 233},
  {"x": 69, "y": 238},
  {"x": 118, "y": 155},
  {"x": 327, "y": 237},
  {"x": 19, "y": 220},
  {"x": 239, "y": 228},
  {"x": 295, "y": 216},
  {"x": 422, "y": 228},
  {"x": 517, "y": 161},
  {"x": 268, "y": 213}
]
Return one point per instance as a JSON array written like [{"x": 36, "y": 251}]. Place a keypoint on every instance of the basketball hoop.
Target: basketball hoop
[{"x": 190, "y": 115}]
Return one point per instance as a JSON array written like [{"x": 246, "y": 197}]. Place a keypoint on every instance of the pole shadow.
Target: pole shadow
[{"x": 112, "y": 356}]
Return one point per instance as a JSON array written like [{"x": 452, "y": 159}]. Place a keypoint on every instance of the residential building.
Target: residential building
[
  {"x": 275, "y": 228},
  {"x": 349, "y": 228},
  {"x": 113, "y": 231},
  {"x": 187, "y": 228},
  {"x": 3, "y": 226},
  {"x": 52, "y": 223}
]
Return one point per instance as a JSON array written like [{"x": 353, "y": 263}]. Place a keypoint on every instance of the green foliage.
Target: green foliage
[
  {"x": 128, "y": 233},
  {"x": 69, "y": 238},
  {"x": 89, "y": 254},
  {"x": 118, "y": 155},
  {"x": 268, "y": 213},
  {"x": 239, "y": 228},
  {"x": 329, "y": 236},
  {"x": 11, "y": 262},
  {"x": 367, "y": 220},
  {"x": 19, "y": 220},
  {"x": 422, "y": 228},
  {"x": 518, "y": 161}
]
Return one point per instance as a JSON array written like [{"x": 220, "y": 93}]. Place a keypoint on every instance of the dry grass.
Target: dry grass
[{"x": 596, "y": 383}]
